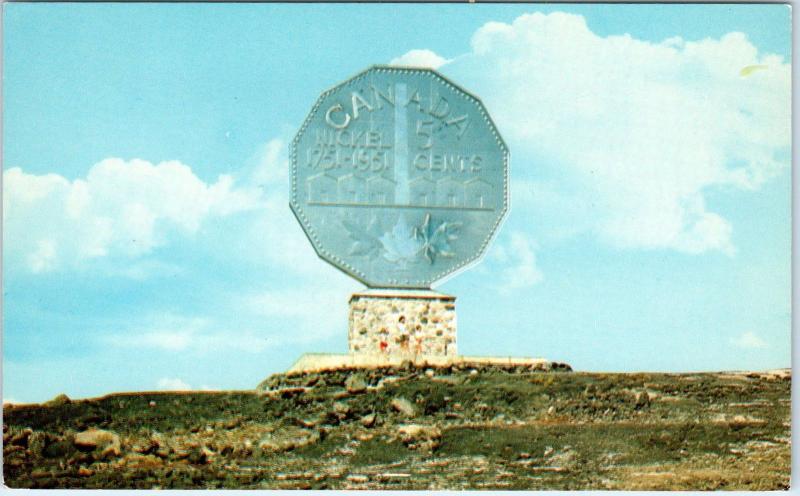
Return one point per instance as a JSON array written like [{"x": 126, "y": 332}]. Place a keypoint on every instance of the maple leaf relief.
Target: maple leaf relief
[
  {"x": 436, "y": 240},
  {"x": 401, "y": 245},
  {"x": 365, "y": 241},
  {"x": 404, "y": 244}
]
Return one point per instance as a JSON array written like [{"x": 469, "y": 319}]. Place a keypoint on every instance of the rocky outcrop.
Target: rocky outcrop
[
  {"x": 106, "y": 443},
  {"x": 470, "y": 427},
  {"x": 404, "y": 406}
]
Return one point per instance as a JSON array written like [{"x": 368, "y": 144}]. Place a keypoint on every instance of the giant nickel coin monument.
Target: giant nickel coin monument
[{"x": 399, "y": 178}]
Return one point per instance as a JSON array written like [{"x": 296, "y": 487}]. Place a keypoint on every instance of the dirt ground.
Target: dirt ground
[{"x": 417, "y": 428}]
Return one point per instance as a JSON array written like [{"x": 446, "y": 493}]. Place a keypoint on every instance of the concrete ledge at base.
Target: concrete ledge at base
[
  {"x": 316, "y": 362},
  {"x": 410, "y": 294}
]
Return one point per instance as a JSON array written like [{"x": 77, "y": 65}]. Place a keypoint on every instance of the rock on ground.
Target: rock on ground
[
  {"x": 106, "y": 442},
  {"x": 404, "y": 406}
]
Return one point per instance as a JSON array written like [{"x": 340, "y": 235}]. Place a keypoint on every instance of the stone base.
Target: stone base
[
  {"x": 405, "y": 323},
  {"x": 317, "y": 362}
]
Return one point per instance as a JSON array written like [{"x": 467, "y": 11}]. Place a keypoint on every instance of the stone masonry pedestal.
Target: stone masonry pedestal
[
  {"x": 413, "y": 323},
  {"x": 392, "y": 327}
]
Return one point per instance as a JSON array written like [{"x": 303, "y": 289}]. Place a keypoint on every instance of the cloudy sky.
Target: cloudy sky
[{"x": 148, "y": 242}]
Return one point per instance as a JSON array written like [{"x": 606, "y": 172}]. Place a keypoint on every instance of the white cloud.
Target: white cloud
[
  {"x": 196, "y": 335},
  {"x": 272, "y": 165},
  {"x": 749, "y": 340},
  {"x": 54, "y": 222},
  {"x": 645, "y": 130},
  {"x": 420, "y": 58},
  {"x": 121, "y": 208},
  {"x": 309, "y": 311},
  {"x": 166, "y": 340},
  {"x": 172, "y": 384},
  {"x": 516, "y": 261},
  {"x": 143, "y": 269}
]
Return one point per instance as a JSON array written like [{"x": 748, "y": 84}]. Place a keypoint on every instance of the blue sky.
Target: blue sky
[{"x": 148, "y": 242}]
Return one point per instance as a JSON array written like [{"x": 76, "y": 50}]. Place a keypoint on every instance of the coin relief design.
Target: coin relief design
[
  {"x": 399, "y": 177},
  {"x": 404, "y": 244}
]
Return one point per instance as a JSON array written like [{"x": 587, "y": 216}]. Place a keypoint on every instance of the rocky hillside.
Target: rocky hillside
[{"x": 409, "y": 428}]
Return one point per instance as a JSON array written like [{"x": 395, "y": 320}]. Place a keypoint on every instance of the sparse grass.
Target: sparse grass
[
  {"x": 379, "y": 451},
  {"x": 500, "y": 430}
]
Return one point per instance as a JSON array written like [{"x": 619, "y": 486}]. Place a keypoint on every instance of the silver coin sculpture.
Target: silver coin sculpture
[{"x": 399, "y": 177}]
